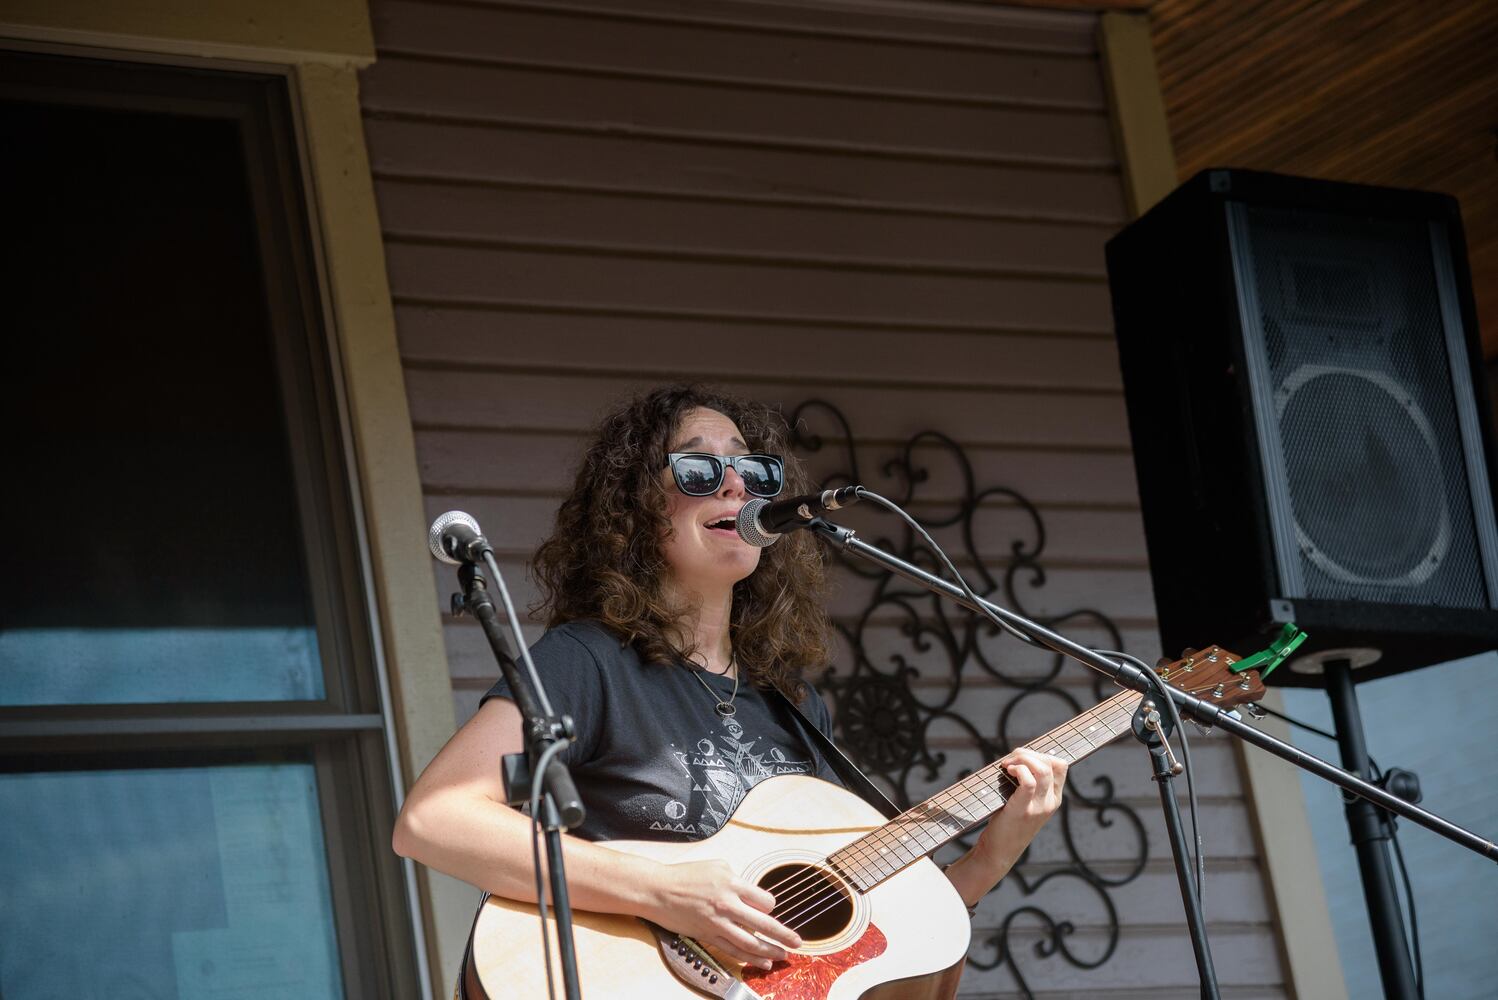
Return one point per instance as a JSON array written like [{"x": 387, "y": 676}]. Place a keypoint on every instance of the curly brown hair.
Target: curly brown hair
[{"x": 604, "y": 558}]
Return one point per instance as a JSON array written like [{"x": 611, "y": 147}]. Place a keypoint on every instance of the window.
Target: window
[{"x": 192, "y": 754}]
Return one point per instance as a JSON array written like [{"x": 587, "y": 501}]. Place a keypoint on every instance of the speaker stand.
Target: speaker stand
[{"x": 1370, "y": 836}]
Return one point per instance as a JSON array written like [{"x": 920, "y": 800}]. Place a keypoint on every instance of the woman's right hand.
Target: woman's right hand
[{"x": 708, "y": 902}]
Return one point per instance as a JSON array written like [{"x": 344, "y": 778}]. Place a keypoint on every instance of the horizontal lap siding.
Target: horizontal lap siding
[
  {"x": 476, "y": 461},
  {"x": 831, "y": 236},
  {"x": 481, "y": 91},
  {"x": 622, "y": 159},
  {"x": 902, "y": 213},
  {"x": 449, "y": 336},
  {"x": 680, "y": 283}
]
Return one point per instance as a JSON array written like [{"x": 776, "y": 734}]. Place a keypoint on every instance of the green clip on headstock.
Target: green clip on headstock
[{"x": 1279, "y": 650}]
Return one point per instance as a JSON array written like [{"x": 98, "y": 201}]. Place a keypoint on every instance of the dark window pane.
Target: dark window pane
[{"x": 153, "y": 549}]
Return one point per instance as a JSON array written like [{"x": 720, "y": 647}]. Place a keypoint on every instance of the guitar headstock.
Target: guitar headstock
[{"x": 1208, "y": 674}]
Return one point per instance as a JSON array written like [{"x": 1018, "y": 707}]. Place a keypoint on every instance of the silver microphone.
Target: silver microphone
[
  {"x": 761, "y": 522},
  {"x": 455, "y": 538}
]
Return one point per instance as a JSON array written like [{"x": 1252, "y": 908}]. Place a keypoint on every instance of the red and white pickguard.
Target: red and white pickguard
[{"x": 810, "y": 977}]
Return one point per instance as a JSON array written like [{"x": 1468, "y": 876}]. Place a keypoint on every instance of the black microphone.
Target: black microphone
[
  {"x": 455, "y": 538},
  {"x": 762, "y": 522}
]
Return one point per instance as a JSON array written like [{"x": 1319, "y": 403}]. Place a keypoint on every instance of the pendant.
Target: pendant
[{"x": 725, "y": 710}]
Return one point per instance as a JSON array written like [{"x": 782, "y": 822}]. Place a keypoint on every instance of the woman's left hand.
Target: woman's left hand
[{"x": 1039, "y": 778}]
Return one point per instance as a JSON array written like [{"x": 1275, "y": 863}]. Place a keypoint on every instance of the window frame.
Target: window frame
[{"x": 347, "y": 733}]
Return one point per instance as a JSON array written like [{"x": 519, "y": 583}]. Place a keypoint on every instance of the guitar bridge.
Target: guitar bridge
[{"x": 695, "y": 967}]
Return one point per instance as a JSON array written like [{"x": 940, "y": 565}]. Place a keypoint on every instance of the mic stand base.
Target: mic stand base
[{"x": 1152, "y": 731}]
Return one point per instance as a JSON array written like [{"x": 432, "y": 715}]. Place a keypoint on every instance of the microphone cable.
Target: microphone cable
[{"x": 537, "y": 786}]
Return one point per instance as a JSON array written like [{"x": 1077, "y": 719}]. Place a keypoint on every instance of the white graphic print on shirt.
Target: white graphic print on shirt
[{"x": 721, "y": 770}]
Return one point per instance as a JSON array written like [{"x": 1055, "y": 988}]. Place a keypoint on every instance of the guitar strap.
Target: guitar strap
[{"x": 853, "y": 779}]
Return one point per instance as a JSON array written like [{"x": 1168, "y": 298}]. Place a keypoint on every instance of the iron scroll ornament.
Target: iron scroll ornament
[{"x": 884, "y": 721}]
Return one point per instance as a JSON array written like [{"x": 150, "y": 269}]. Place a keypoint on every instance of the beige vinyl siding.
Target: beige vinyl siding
[{"x": 899, "y": 208}]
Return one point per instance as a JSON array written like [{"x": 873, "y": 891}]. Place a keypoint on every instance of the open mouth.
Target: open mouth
[{"x": 723, "y": 524}]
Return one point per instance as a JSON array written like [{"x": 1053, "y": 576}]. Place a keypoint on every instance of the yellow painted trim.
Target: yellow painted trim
[
  {"x": 385, "y": 449},
  {"x": 1292, "y": 874},
  {"x": 275, "y": 31},
  {"x": 1271, "y": 787},
  {"x": 1136, "y": 109}
]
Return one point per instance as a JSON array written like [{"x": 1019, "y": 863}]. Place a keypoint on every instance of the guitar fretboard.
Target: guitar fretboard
[{"x": 922, "y": 829}]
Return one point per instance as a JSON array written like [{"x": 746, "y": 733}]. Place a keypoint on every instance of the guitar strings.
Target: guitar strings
[
  {"x": 864, "y": 861},
  {"x": 807, "y": 886},
  {"x": 797, "y": 917},
  {"x": 1071, "y": 731},
  {"x": 922, "y": 811},
  {"x": 917, "y": 821},
  {"x": 794, "y": 906},
  {"x": 808, "y": 879},
  {"x": 797, "y": 920}
]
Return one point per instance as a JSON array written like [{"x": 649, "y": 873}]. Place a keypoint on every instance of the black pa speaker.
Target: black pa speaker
[{"x": 1309, "y": 416}]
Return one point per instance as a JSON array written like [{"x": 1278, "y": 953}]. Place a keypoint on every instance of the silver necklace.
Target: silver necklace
[{"x": 724, "y": 709}]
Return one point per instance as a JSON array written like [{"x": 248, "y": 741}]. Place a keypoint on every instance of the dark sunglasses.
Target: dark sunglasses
[{"x": 699, "y": 475}]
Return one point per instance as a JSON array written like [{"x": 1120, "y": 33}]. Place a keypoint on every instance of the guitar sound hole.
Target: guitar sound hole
[{"x": 810, "y": 900}]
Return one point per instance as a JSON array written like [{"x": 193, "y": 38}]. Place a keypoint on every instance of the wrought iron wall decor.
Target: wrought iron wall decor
[{"x": 884, "y": 720}]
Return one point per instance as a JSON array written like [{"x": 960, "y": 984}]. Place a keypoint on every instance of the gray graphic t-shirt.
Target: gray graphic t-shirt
[{"x": 652, "y": 759}]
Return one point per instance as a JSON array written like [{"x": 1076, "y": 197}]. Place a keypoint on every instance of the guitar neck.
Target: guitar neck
[{"x": 922, "y": 829}]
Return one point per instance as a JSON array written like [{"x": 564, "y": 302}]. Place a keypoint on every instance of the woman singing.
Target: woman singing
[{"x": 667, "y": 638}]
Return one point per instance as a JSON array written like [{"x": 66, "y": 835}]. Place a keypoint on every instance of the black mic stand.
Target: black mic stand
[
  {"x": 1127, "y": 675},
  {"x": 1153, "y": 730},
  {"x": 1370, "y": 839},
  {"x": 561, "y": 808}
]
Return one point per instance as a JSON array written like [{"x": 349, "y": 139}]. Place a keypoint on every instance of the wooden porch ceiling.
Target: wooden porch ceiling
[{"x": 1373, "y": 91}]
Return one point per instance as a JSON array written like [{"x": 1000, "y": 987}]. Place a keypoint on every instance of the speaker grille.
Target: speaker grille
[{"x": 1353, "y": 359}]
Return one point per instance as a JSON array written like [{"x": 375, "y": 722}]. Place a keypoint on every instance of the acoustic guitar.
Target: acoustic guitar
[{"x": 878, "y": 919}]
